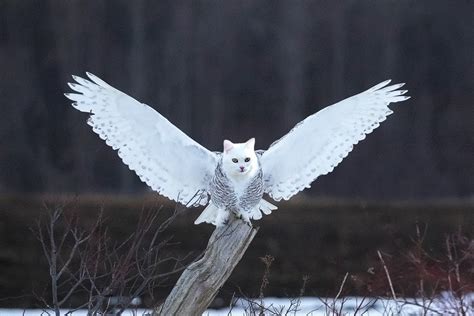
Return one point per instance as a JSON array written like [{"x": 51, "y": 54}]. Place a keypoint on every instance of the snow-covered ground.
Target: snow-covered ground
[{"x": 445, "y": 304}]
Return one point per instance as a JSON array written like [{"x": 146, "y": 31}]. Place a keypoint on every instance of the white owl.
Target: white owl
[{"x": 234, "y": 181}]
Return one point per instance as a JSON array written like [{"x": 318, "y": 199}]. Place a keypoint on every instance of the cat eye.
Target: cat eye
[
  {"x": 235, "y": 160},
  {"x": 247, "y": 159}
]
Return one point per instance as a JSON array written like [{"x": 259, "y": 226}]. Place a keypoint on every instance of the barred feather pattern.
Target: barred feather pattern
[
  {"x": 221, "y": 190},
  {"x": 224, "y": 196},
  {"x": 252, "y": 195}
]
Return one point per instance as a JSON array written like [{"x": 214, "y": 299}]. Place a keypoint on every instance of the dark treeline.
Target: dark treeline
[{"x": 237, "y": 69}]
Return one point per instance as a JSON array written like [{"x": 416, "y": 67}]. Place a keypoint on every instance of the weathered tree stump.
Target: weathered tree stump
[{"x": 200, "y": 282}]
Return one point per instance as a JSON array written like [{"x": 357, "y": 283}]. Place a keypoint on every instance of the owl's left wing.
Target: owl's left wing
[
  {"x": 318, "y": 144},
  {"x": 164, "y": 157}
]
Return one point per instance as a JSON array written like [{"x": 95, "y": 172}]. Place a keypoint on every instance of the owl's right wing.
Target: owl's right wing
[
  {"x": 164, "y": 157},
  {"x": 316, "y": 145}
]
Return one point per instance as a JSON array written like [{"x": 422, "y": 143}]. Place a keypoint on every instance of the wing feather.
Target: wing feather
[
  {"x": 316, "y": 145},
  {"x": 164, "y": 157}
]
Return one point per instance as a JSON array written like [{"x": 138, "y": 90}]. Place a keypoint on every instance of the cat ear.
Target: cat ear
[
  {"x": 250, "y": 143},
  {"x": 228, "y": 145}
]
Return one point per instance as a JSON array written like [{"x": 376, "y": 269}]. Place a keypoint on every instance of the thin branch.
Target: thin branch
[
  {"x": 341, "y": 287},
  {"x": 388, "y": 275}
]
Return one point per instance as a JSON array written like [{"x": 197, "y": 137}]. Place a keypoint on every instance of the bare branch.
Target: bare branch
[{"x": 388, "y": 275}]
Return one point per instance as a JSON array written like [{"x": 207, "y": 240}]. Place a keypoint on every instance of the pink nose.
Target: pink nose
[{"x": 242, "y": 168}]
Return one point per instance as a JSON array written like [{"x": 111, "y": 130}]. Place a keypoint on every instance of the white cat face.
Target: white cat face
[{"x": 239, "y": 159}]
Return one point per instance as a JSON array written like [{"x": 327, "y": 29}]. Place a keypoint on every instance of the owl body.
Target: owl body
[
  {"x": 233, "y": 181},
  {"x": 239, "y": 196}
]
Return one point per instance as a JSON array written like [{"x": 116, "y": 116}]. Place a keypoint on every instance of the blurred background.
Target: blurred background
[{"x": 241, "y": 69}]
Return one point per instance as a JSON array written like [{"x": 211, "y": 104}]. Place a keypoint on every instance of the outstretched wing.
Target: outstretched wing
[
  {"x": 319, "y": 143},
  {"x": 165, "y": 158}
]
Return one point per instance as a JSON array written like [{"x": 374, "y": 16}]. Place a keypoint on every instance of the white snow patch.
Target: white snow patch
[{"x": 444, "y": 304}]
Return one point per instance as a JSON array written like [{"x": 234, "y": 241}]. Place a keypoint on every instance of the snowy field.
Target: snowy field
[{"x": 445, "y": 304}]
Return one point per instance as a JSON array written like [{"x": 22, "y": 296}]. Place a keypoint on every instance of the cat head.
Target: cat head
[{"x": 239, "y": 159}]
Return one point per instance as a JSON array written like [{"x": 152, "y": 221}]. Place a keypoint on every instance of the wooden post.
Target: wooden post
[{"x": 200, "y": 282}]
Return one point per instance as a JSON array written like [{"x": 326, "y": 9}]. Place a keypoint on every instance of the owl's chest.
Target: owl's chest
[{"x": 244, "y": 192}]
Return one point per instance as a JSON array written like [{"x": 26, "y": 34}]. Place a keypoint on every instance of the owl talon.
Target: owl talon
[{"x": 238, "y": 215}]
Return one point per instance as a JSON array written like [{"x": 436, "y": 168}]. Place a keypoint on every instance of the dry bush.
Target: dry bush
[
  {"x": 438, "y": 283},
  {"x": 415, "y": 279},
  {"x": 88, "y": 269}
]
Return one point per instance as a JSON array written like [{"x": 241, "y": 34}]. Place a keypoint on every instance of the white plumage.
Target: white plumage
[
  {"x": 165, "y": 158},
  {"x": 318, "y": 144},
  {"x": 176, "y": 166}
]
